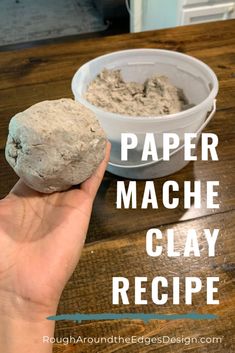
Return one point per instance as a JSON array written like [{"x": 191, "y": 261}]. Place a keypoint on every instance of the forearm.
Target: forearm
[{"x": 21, "y": 336}]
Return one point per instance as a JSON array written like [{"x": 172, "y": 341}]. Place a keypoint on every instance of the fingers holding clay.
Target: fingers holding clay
[
  {"x": 91, "y": 185},
  {"x": 55, "y": 144}
]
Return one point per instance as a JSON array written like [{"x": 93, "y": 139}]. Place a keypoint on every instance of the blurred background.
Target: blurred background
[{"x": 23, "y": 21}]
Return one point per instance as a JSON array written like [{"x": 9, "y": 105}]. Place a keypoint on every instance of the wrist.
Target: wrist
[
  {"x": 25, "y": 309},
  {"x": 23, "y": 324},
  {"x": 22, "y": 336}
]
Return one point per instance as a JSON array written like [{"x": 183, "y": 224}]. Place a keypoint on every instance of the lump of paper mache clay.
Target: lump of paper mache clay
[{"x": 55, "y": 144}]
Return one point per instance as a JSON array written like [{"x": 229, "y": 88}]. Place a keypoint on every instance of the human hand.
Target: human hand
[{"x": 41, "y": 239}]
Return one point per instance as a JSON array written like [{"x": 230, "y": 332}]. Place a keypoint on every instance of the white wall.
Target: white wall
[
  {"x": 155, "y": 14},
  {"x": 159, "y": 14}
]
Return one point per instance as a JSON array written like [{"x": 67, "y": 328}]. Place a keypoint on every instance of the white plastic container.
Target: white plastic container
[{"x": 200, "y": 86}]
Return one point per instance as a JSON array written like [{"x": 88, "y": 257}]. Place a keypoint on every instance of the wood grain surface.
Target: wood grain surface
[{"x": 116, "y": 238}]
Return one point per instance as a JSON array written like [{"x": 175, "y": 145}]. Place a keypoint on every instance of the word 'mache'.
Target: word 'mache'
[{"x": 128, "y": 197}]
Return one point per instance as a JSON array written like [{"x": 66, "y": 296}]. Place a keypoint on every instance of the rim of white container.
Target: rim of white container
[{"x": 177, "y": 116}]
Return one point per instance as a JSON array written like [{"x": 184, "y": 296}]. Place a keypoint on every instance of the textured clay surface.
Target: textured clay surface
[
  {"x": 55, "y": 144},
  {"x": 156, "y": 96}
]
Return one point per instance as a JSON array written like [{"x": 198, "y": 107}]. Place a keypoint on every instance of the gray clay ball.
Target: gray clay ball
[{"x": 55, "y": 144}]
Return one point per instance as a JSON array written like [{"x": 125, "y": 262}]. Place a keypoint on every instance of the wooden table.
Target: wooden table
[{"x": 116, "y": 238}]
